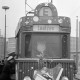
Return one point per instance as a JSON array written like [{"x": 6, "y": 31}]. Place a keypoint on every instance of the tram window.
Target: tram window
[
  {"x": 64, "y": 47},
  {"x": 27, "y": 43},
  {"x": 47, "y": 45}
]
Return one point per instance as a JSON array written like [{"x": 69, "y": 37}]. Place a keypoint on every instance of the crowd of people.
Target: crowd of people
[{"x": 8, "y": 68}]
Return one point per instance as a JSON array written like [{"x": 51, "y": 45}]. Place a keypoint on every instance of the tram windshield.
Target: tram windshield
[{"x": 43, "y": 45}]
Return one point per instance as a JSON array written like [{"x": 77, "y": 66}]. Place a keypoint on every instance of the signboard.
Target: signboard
[
  {"x": 46, "y": 28},
  {"x": 45, "y": 11}
]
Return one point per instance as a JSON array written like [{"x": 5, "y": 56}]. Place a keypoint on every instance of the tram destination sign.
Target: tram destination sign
[{"x": 46, "y": 28}]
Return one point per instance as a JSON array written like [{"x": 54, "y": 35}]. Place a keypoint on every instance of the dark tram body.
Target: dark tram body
[{"x": 44, "y": 35}]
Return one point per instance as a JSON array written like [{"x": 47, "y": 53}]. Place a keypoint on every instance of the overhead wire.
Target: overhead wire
[{"x": 28, "y": 6}]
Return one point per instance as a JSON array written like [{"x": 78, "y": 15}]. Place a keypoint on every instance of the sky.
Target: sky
[{"x": 69, "y": 8}]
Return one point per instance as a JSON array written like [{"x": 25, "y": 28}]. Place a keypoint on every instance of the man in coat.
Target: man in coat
[{"x": 8, "y": 69}]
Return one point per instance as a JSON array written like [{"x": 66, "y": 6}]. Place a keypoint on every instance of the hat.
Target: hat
[
  {"x": 10, "y": 58},
  {"x": 12, "y": 54}
]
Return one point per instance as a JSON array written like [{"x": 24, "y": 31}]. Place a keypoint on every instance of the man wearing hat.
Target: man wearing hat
[{"x": 9, "y": 68}]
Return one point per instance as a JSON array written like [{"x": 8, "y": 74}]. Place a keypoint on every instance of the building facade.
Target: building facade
[
  {"x": 11, "y": 45},
  {"x": 75, "y": 51},
  {"x": 1, "y": 47}
]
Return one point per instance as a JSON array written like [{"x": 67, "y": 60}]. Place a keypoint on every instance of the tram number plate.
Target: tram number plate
[{"x": 48, "y": 28}]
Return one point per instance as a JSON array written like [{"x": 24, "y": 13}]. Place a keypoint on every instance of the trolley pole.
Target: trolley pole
[
  {"x": 77, "y": 42},
  {"x": 5, "y": 8}
]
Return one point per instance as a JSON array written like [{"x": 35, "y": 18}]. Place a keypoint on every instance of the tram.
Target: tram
[{"x": 43, "y": 42}]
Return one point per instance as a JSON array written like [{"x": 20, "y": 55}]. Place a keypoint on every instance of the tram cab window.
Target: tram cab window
[{"x": 46, "y": 45}]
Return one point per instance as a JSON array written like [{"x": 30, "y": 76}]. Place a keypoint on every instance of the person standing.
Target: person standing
[{"x": 8, "y": 69}]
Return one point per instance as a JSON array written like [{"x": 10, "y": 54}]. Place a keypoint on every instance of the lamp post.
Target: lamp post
[
  {"x": 77, "y": 41},
  {"x": 5, "y": 8}
]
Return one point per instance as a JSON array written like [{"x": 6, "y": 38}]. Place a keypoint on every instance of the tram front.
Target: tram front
[{"x": 43, "y": 36}]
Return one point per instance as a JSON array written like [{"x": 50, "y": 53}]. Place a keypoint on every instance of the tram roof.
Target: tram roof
[{"x": 44, "y": 14}]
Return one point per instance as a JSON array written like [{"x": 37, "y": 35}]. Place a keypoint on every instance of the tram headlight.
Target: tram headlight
[
  {"x": 27, "y": 78},
  {"x": 64, "y": 78},
  {"x": 35, "y": 18}
]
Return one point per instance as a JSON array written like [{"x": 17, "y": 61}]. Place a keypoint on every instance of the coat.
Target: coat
[{"x": 8, "y": 70}]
